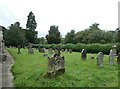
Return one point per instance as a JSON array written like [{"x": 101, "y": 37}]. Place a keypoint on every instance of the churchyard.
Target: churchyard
[{"x": 29, "y": 70}]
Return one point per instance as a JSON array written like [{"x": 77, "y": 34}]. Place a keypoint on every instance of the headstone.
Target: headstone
[
  {"x": 83, "y": 54},
  {"x": 70, "y": 50},
  {"x": 19, "y": 49},
  {"x": 66, "y": 50},
  {"x": 114, "y": 50},
  {"x": 118, "y": 58},
  {"x": 62, "y": 50},
  {"x": 30, "y": 50},
  {"x": 111, "y": 57},
  {"x": 55, "y": 66},
  {"x": 100, "y": 59},
  {"x": 50, "y": 51},
  {"x": 55, "y": 51}
]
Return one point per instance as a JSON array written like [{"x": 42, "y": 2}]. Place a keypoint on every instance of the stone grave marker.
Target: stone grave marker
[
  {"x": 118, "y": 58},
  {"x": 50, "y": 51},
  {"x": 100, "y": 59},
  {"x": 66, "y": 50},
  {"x": 70, "y": 50},
  {"x": 83, "y": 54},
  {"x": 111, "y": 57},
  {"x": 30, "y": 50},
  {"x": 114, "y": 50},
  {"x": 55, "y": 66}
]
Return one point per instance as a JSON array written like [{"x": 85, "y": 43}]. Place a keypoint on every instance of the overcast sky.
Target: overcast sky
[{"x": 67, "y": 14}]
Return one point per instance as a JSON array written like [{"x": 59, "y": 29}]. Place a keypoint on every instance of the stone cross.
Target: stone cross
[
  {"x": 111, "y": 57},
  {"x": 100, "y": 59}
]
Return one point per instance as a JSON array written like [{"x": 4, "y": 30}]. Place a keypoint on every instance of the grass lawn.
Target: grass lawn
[{"x": 28, "y": 71}]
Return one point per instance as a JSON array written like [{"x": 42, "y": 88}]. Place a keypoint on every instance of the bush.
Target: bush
[{"x": 91, "y": 48}]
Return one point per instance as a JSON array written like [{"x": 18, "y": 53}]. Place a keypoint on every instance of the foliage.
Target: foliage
[
  {"x": 91, "y": 48},
  {"x": 54, "y": 35},
  {"x": 28, "y": 71},
  {"x": 31, "y": 25},
  {"x": 70, "y": 37},
  {"x": 14, "y": 36}
]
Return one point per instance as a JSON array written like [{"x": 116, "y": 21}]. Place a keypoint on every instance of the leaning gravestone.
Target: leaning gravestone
[
  {"x": 100, "y": 59},
  {"x": 30, "y": 50},
  {"x": 55, "y": 66},
  {"x": 111, "y": 57},
  {"x": 83, "y": 54},
  {"x": 118, "y": 58}
]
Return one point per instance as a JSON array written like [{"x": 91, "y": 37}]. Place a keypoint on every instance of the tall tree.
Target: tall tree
[
  {"x": 14, "y": 36},
  {"x": 54, "y": 35},
  {"x": 31, "y": 25},
  {"x": 70, "y": 37}
]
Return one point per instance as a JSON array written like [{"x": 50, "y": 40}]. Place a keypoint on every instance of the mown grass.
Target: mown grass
[{"x": 28, "y": 71}]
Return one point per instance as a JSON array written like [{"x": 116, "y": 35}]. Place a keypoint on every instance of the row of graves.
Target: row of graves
[
  {"x": 100, "y": 55},
  {"x": 56, "y": 63}
]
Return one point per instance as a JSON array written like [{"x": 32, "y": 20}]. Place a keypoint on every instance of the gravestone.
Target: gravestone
[
  {"x": 114, "y": 50},
  {"x": 100, "y": 59},
  {"x": 70, "y": 50},
  {"x": 50, "y": 51},
  {"x": 66, "y": 50},
  {"x": 62, "y": 50},
  {"x": 83, "y": 54},
  {"x": 30, "y": 50},
  {"x": 118, "y": 58},
  {"x": 55, "y": 66},
  {"x": 111, "y": 57}
]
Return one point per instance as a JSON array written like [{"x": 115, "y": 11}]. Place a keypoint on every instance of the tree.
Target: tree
[
  {"x": 54, "y": 35},
  {"x": 14, "y": 36},
  {"x": 31, "y": 25},
  {"x": 31, "y": 22},
  {"x": 70, "y": 37}
]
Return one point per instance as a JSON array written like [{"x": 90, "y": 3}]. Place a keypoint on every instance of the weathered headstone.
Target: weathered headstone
[
  {"x": 111, "y": 57},
  {"x": 100, "y": 59},
  {"x": 62, "y": 50},
  {"x": 30, "y": 50},
  {"x": 66, "y": 50},
  {"x": 83, "y": 54},
  {"x": 114, "y": 50},
  {"x": 118, "y": 58},
  {"x": 70, "y": 50},
  {"x": 55, "y": 66},
  {"x": 50, "y": 51}
]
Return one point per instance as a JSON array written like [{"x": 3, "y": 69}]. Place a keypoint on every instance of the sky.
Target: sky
[{"x": 66, "y": 14}]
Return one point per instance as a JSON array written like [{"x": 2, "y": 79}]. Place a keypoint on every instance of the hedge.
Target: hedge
[{"x": 91, "y": 48}]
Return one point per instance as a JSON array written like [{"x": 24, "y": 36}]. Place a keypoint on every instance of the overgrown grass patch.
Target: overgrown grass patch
[{"x": 28, "y": 71}]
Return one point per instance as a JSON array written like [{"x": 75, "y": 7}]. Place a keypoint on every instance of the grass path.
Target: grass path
[{"x": 28, "y": 71}]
